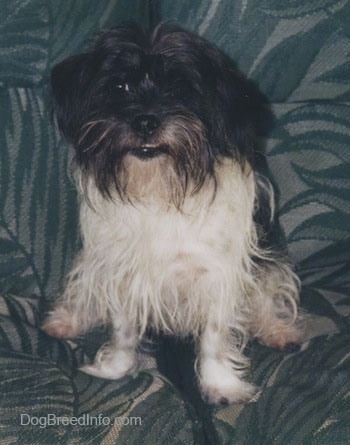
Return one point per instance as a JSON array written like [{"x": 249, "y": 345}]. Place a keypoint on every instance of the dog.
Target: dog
[{"x": 165, "y": 131}]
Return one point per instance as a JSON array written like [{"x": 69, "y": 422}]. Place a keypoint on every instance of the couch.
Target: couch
[{"x": 299, "y": 54}]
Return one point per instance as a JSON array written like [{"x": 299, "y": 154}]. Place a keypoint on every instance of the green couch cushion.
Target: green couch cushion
[
  {"x": 38, "y": 210},
  {"x": 308, "y": 154},
  {"x": 296, "y": 51},
  {"x": 36, "y": 34}
]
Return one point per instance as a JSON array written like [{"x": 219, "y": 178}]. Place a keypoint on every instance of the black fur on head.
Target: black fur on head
[{"x": 166, "y": 96}]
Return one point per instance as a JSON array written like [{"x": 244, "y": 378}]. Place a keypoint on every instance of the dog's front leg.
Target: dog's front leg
[
  {"x": 118, "y": 357},
  {"x": 221, "y": 367}
]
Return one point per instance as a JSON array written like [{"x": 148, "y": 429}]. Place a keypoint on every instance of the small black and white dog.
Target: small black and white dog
[{"x": 165, "y": 129}]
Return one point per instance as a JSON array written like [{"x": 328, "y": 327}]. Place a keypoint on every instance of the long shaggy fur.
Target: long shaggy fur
[{"x": 164, "y": 129}]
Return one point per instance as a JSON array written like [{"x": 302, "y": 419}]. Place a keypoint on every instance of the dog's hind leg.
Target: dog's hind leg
[
  {"x": 275, "y": 319},
  {"x": 63, "y": 322}
]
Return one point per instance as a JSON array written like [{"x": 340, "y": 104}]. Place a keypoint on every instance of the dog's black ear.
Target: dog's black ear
[
  {"x": 242, "y": 112},
  {"x": 70, "y": 80}
]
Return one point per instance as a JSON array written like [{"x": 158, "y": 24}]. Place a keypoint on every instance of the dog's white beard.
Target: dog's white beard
[{"x": 185, "y": 272}]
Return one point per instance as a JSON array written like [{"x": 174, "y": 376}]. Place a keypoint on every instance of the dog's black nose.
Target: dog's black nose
[{"x": 145, "y": 124}]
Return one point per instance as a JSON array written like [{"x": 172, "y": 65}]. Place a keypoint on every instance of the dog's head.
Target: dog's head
[{"x": 154, "y": 108}]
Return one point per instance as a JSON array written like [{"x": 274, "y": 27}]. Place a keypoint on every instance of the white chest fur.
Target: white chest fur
[{"x": 164, "y": 267}]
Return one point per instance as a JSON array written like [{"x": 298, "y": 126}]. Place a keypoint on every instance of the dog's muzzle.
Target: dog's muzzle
[{"x": 145, "y": 125}]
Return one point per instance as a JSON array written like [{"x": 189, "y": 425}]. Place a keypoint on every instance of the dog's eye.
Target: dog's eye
[{"x": 123, "y": 86}]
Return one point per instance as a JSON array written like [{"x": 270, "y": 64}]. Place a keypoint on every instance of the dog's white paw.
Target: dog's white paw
[
  {"x": 220, "y": 384},
  {"x": 111, "y": 363}
]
